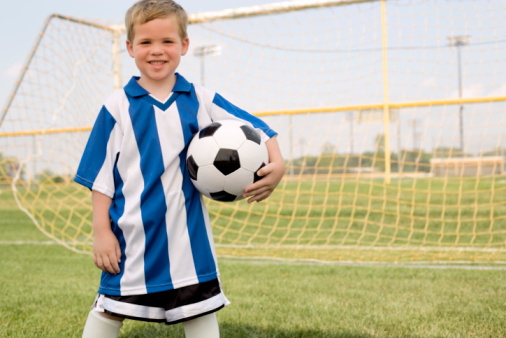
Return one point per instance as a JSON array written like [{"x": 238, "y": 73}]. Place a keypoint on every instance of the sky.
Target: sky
[{"x": 22, "y": 20}]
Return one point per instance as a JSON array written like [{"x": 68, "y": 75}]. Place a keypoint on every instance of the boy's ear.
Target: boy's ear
[
  {"x": 185, "y": 45},
  {"x": 130, "y": 48}
]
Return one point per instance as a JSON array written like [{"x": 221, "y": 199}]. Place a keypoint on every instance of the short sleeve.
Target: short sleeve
[{"x": 96, "y": 168}]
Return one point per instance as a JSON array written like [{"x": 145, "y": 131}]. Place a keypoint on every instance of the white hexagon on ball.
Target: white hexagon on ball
[
  {"x": 238, "y": 180},
  {"x": 214, "y": 180},
  {"x": 252, "y": 163},
  {"x": 207, "y": 149},
  {"x": 230, "y": 136}
]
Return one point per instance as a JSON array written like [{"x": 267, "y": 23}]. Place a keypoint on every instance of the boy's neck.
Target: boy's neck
[{"x": 158, "y": 89}]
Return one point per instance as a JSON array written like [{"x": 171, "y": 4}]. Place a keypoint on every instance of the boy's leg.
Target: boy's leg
[
  {"x": 97, "y": 325},
  {"x": 202, "y": 327}
]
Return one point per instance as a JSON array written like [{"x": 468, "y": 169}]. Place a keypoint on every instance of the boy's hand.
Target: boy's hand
[
  {"x": 271, "y": 175},
  {"x": 106, "y": 252},
  {"x": 262, "y": 189}
]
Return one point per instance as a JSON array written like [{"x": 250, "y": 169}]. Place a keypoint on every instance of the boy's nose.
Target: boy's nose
[{"x": 156, "y": 50}]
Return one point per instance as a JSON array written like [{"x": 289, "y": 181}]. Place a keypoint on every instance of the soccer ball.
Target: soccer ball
[{"x": 224, "y": 157}]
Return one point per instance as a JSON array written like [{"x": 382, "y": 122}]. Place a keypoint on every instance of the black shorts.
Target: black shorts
[{"x": 171, "y": 307}]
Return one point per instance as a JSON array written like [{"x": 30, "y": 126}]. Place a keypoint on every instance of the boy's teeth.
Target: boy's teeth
[{"x": 157, "y": 62}]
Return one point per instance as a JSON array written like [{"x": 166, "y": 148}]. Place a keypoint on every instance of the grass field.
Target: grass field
[{"x": 47, "y": 291}]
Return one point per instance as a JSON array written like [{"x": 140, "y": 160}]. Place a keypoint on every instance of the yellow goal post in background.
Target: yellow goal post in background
[{"x": 391, "y": 118}]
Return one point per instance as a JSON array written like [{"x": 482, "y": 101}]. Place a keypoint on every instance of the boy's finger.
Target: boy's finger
[
  {"x": 259, "y": 197},
  {"x": 98, "y": 261},
  {"x": 113, "y": 266},
  {"x": 264, "y": 170},
  {"x": 118, "y": 254},
  {"x": 106, "y": 264}
]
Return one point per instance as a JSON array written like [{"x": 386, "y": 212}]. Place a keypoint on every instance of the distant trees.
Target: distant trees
[
  {"x": 330, "y": 162},
  {"x": 9, "y": 166},
  {"x": 47, "y": 176}
]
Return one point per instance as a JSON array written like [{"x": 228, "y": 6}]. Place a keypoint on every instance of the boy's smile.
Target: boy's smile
[
  {"x": 157, "y": 65},
  {"x": 157, "y": 49}
]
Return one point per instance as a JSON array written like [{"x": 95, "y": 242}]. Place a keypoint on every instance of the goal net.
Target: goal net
[{"x": 391, "y": 118}]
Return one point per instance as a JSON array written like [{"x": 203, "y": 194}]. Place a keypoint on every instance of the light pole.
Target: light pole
[
  {"x": 202, "y": 52},
  {"x": 350, "y": 118},
  {"x": 415, "y": 123},
  {"x": 459, "y": 41}
]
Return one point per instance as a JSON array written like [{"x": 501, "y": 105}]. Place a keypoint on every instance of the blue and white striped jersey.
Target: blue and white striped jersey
[{"x": 136, "y": 155}]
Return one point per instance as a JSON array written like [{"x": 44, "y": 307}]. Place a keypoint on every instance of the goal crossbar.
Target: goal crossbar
[
  {"x": 274, "y": 8},
  {"x": 372, "y": 106},
  {"x": 250, "y": 11}
]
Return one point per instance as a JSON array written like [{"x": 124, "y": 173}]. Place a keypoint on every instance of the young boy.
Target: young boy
[{"x": 153, "y": 238}]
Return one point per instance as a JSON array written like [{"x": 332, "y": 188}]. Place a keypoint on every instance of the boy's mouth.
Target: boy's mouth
[{"x": 157, "y": 65}]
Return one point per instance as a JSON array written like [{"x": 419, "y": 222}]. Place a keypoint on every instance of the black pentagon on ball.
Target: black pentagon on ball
[
  {"x": 227, "y": 161},
  {"x": 223, "y": 196},
  {"x": 193, "y": 168},
  {"x": 256, "y": 177},
  {"x": 251, "y": 134},
  {"x": 209, "y": 130}
]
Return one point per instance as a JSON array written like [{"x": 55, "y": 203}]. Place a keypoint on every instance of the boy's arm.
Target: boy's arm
[
  {"x": 106, "y": 250},
  {"x": 272, "y": 174}
]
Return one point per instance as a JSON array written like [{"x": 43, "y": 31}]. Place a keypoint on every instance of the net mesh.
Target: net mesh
[{"x": 391, "y": 119}]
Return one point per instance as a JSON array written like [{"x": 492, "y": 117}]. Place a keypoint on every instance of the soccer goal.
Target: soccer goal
[{"x": 373, "y": 102}]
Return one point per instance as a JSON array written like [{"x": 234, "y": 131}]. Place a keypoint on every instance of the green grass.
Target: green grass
[{"x": 47, "y": 291}]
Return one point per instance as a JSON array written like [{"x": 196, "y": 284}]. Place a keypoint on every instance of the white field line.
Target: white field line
[
  {"x": 361, "y": 248},
  {"x": 28, "y": 243},
  {"x": 465, "y": 265},
  {"x": 462, "y": 265},
  {"x": 43, "y": 243},
  {"x": 296, "y": 247}
]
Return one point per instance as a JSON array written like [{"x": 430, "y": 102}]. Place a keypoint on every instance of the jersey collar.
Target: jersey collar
[
  {"x": 135, "y": 90},
  {"x": 182, "y": 85}
]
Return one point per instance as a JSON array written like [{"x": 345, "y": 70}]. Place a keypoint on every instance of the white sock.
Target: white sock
[
  {"x": 99, "y": 326},
  {"x": 202, "y": 327}
]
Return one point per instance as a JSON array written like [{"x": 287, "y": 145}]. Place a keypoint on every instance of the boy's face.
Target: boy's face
[{"x": 157, "y": 49}]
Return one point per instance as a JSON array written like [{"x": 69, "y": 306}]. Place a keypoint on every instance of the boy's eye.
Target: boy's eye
[{"x": 145, "y": 42}]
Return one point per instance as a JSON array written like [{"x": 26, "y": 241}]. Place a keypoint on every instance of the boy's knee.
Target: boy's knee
[
  {"x": 102, "y": 325},
  {"x": 202, "y": 327}
]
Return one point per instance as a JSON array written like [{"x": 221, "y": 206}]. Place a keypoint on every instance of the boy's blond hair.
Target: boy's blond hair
[{"x": 146, "y": 10}]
